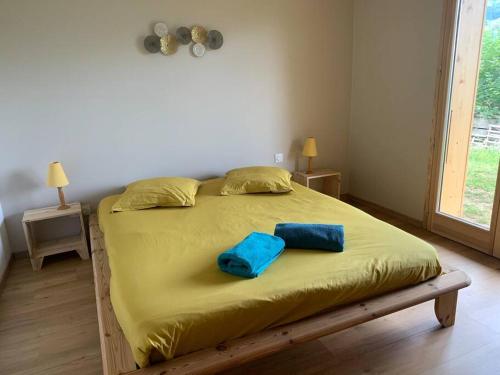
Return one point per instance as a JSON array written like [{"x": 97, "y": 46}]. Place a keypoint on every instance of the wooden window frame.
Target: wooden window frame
[{"x": 468, "y": 233}]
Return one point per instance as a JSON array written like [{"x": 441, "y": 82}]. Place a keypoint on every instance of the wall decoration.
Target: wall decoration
[
  {"x": 183, "y": 35},
  {"x": 215, "y": 39},
  {"x": 167, "y": 42},
  {"x": 152, "y": 43},
  {"x": 199, "y": 34},
  {"x": 198, "y": 49},
  {"x": 160, "y": 29}
]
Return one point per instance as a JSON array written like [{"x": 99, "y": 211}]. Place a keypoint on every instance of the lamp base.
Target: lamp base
[
  {"x": 309, "y": 166},
  {"x": 62, "y": 201}
]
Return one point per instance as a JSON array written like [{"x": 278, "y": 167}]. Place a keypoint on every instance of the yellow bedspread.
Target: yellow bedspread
[{"x": 168, "y": 293}]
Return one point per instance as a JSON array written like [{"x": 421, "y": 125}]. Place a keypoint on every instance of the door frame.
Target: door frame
[{"x": 467, "y": 233}]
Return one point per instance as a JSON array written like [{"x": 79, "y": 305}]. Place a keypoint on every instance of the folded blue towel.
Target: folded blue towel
[
  {"x": 252, "y": 256},
  {"x": 311, "y": 236}
]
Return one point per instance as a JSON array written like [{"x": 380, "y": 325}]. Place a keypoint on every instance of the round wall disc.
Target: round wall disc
[
  {"x": 168, "y": 44},
  {"x": 183, "y": 35},
  {"x": 199, "y": 34},
  {"x": 161, "y": 29},
  {"x": 198, "y": 49},
  {"x": 152, "y": 43},
  {"x": 215, "y": 39}
]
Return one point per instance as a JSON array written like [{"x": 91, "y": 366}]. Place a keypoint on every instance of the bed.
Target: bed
[{"x": 166, "y": 300}]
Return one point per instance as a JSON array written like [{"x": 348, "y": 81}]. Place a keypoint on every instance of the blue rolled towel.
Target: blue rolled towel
[
  {"x": 311, "y": 236},
  {"x": 252, "y": 256}
]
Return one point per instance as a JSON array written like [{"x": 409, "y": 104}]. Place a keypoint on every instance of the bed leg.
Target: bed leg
[{"x": 445, "y": 307}]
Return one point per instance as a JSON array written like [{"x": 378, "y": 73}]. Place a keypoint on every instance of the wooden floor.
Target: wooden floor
[{"x": 48, "y": 325}]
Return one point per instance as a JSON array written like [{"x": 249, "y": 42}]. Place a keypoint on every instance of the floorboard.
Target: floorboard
[{"x": 48, "y": 325}]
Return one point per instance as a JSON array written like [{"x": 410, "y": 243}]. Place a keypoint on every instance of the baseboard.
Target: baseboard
[
  {"x": 348, "y": 198},
  {"x": 21, "y": 255},
  {"x": 5, "y": 273}
]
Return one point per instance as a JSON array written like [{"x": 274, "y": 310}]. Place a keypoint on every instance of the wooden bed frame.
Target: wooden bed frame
[{"x": 117, "y": 355}]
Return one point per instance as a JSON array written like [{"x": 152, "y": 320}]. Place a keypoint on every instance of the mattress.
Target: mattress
[{"x": 169, "y": 295}]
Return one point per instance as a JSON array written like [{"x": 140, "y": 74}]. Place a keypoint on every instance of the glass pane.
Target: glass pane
[
  {"x": 484, "y": 152},
  {"x": 472, "y": 149}
]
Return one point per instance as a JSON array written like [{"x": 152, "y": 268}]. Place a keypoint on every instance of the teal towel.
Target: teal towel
[
  {"x": 311, "y": 236},
  {"x": 252, "y": 256}
]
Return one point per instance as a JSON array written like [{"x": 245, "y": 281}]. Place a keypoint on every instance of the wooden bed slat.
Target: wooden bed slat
[
  {"x": 261, "y": 344},
  {"x": 117, "y": 356},
  {"x": 116, "y": 353}
]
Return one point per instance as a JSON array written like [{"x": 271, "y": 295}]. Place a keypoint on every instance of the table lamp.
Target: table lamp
[
  {"x": 310, "y": 151},
  {"x": 57, "y": 178}
]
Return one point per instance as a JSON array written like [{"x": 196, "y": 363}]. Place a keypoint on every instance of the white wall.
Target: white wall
[
  {"x": 4, "y": 245},
  {"x": 395, "y": 59},
  {"x": 77, "y": 86}
]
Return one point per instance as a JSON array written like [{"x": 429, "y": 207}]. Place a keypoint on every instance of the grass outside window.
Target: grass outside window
[{"x": 480, "y": 184}]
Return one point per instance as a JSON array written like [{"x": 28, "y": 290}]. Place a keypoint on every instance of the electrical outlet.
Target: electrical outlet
[{"x": 278, "y": 158}]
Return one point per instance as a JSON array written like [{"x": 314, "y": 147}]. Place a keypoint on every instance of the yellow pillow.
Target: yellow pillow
[
  {"x": 158, "y": 192},
  {"x": 257, "y": 180}
]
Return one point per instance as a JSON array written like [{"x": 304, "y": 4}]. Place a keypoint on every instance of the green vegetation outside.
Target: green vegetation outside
[
  {"x": 483, "y": 162},
  {"x": 488, "y": 90},
  {"x": 480, "y": 184}
]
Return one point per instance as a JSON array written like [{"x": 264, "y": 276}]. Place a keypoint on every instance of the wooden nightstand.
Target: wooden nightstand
[
  {"x": 331, "y": 180},
  {"x": 39, "y": 249}
]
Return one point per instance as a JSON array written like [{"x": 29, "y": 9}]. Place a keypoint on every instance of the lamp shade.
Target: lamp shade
[
  {"x": 56, "y": 176},
  {"x": 310, "y": 147}
]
